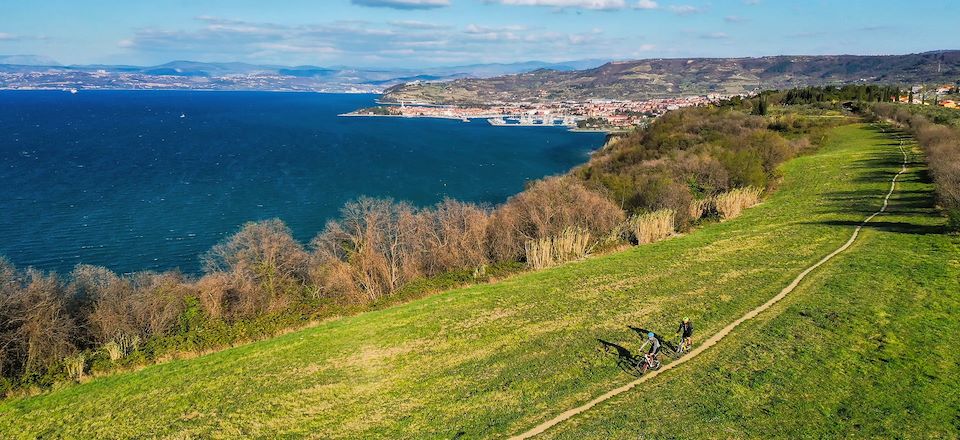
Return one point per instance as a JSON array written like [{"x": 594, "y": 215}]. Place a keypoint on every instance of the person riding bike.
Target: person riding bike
[
  {"x": 686, "y": 332},
  {"x": 651, "y": 355}
]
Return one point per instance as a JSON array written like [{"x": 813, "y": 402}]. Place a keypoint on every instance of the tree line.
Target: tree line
[
  {"x": 850, "y": 92},
  {"x": 941, "y": 147},
  {"x": 687, "y": 157},
  {"x": 690, "y": 164}
]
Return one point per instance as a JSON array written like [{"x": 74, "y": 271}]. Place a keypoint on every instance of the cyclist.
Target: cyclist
[
  {"x": 651, "y": 355},
  {"x": 686, "y": 330}
]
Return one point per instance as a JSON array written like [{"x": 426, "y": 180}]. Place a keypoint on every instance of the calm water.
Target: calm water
[{"x": 150, "y": 180}]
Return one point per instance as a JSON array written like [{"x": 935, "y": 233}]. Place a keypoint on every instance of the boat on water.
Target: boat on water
[{"x": 530, "y": 121}]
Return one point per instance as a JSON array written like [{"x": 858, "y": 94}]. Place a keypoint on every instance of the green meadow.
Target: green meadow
[{"x": 866, "y": 346}]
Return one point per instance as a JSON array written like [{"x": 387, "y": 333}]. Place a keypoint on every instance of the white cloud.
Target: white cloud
[
  {"x": 600, "y": 5},
  {"x": 403, "y": 4},
  {"x": 414, "y": 24},
  {"x": 685, "y": 9},
  {"x": 6, "y": 36},
  {"x": 353, "y": 41},
  {"x": 646, "y": 4},
  {"x": 715, "y": 36}
]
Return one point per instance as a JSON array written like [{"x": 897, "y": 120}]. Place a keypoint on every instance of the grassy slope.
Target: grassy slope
[
  {"x": 864, "y": 349},
  {"x": 496, "y": 359}
]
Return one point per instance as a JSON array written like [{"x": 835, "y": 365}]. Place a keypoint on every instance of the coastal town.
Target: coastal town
[
  {"x": 596, "y": 114},
  {"x": 608, "y": 115}
]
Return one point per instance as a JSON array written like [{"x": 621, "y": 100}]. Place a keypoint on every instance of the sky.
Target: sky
[{"x": 424, "y": 33}]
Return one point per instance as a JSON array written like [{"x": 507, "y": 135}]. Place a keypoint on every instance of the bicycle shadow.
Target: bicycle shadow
[{"x": 626, "y": 360}]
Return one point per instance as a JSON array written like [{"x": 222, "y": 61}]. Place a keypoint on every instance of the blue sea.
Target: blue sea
[{"x": 138, "y": 180}]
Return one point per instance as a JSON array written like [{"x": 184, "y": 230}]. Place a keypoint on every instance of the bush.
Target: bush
[
  {"x": 941, "y": 144},
  {"x": 693, "y": 154},
  {"x": 266, "y": 267},
  {"x": 546, "y": 210}
]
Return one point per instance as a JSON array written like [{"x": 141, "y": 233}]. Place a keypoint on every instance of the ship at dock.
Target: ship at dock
[{"x": 534, "y": 121}]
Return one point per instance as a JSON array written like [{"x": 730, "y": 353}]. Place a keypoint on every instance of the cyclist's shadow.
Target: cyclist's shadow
[
  {"x": 626, "y": 360},
  {"x": 642, "y": 334}
]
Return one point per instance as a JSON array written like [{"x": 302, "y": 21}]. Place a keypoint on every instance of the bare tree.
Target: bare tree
[
  {"x": 38, "y": 330},
  {"x": 450, "y": 236},
  {"x": 545, "y": 209},
  {"x": 160, "y": 300},
  {"x": 267, "y": 266},
  {"x": 115, "y": 312},
  {"x": 371, "y": 239}
]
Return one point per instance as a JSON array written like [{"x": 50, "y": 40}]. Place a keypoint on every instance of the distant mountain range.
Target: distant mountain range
[
  {"x": 656, "y": 78},
  {"x": 36, "y": 72}
]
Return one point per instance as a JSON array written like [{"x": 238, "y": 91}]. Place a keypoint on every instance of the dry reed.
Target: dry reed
[
  {"x": 113, "y": 350},
  {"x": 570, "y": 244},
  {"x": 700, "y": 207},
  {"x": 730, "y": 204},
  {"x": 652, "y": 226},
  {"x": 75, "y": 366}
]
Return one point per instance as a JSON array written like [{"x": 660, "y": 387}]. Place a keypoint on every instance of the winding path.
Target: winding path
[{"x": 726, "y": 330}]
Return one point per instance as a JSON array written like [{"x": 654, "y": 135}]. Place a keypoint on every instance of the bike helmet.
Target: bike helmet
[
  {"x": 650, "y": 335},
  {"x": 685, "y": 319}
]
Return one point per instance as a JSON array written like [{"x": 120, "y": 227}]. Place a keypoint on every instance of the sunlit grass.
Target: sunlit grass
[{"x": 496, "y": 359}]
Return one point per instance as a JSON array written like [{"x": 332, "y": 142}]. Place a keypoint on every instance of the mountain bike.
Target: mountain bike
[
  {"x": 679, "y": 347},
  {"x": 648, "y": 363}
]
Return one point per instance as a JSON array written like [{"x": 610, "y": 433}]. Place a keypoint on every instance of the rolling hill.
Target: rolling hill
[
  {"x": 35, "y": 72},
  {"x": 864, "y": 346},
  {"x": 662, "y": 78}
]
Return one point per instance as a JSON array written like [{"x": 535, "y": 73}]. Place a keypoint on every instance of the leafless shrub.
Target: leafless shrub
[
  {"x": 160, "y": 300},
  {"x": 545, "y": 210},
  {"x": 450, "y": 236},
  {"x": 942, "y": 147},
  {"x": 37, "y": 330},
  {"x": 370, "y": 244},
  {"x": 115, "y": 311},
  {"x": 266, "y": 266},
  {"x": 213, "y": 291},
  {"x": 86, "y": 283},
  {"x": 730, "y": 204}
]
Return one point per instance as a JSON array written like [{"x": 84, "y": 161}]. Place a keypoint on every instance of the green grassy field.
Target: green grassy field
[{"x": 864, "y": 345}]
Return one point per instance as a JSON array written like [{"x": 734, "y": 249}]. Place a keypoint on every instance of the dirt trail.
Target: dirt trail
[{"x": 725, "y": 331}]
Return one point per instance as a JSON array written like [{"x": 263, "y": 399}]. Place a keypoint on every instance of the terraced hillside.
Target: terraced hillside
[{"x": 864, "y": 345}]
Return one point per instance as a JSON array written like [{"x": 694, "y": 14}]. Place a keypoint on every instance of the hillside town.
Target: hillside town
[
  {"x": 603, "y": 114},
  {"x": 597, "y": 114}
]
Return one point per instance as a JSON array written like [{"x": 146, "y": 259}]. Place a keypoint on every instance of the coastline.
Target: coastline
[
  {"x": 609, "y": 131},
  {"x": 359, "y": 115}
]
